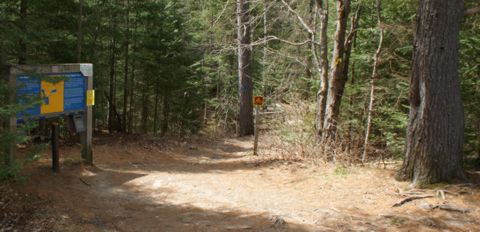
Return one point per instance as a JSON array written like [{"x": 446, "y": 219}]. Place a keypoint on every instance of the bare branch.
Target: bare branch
[
  {"x": 472, "y": 11},
  {"x": 221, "y": 14},
  {"x": 305, "y": 25},
  {"x": 268, "y": 38}
]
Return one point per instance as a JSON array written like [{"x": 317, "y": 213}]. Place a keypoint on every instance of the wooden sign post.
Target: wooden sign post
[
  {"x": 257, "y": 101},
  {"x": 61, "y": 90}
]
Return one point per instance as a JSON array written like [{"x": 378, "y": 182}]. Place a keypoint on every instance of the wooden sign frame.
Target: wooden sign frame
[{"x": 86, "y": 70}]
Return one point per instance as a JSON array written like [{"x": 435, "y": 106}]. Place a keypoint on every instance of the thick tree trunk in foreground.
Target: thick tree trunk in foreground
[
  {"x": 244, "y": 69},
  {"x": 337, "y": 80},
  {"x": 435, "y": 132}
]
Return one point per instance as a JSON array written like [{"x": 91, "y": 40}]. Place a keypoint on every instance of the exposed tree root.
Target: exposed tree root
[{"x": 408, "y": 199}]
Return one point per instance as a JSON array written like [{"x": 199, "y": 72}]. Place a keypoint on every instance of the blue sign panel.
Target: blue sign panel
[
  {"x": 43, "y": 98},
  {"x": 75, "y": 88},
  {"x": 28, "y": 90}
]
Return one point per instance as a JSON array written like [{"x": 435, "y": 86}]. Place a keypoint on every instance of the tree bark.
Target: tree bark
[
  {"x": 166, "y": 113},
  {"x": 80, "y": 31},
  {"x": 155, "y": 110},
  {"x": 132, "y": 82},
  {"x": 245, "y": 88},
  {"x": 22, "y": 53},
  {"x": 337, "y": 80},
  {"x": 112, "y": 89},
  {"x": 434, "y": 151},
  {"x": 126, "y": 63},
  {"x": 322, "y": 9},
  {"x": 145, "y": 105}
]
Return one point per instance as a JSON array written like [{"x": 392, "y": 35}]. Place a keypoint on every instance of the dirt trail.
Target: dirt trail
[{"x": 216, "y": 185}]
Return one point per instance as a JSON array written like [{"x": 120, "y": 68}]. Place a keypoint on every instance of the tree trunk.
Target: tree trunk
[
  {"x": 132, "y": 94},
  {"x": 372, "y": 81},
  {"x": 22, "y": 53},
  {"x": 349, "y": 42},
  {"x": 166, "y": 113},
  {"x": 265, "y": 47},
  {"x": 145, "y": 106},
  {"x": 322, "y": 92},
  {"x": 125, "y": 74},
  {"x": 155, "y": 111},
  {"x": 111, "y": 109},
  {"x": 434, "y": 151},
  {"x": 132, "y": 83},
  {"x": 245, "y": 88},
  {"x": 337, "y": 80},
  {"x": 80, "y": 32}
]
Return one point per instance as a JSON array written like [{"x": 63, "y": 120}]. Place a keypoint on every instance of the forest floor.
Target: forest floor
[{"x": 140, "y": 184}]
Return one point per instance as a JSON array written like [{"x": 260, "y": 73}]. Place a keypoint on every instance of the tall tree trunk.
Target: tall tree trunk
[
  {"x": 322, "y": 8},
  {"x": 145, "y": 106},
  {"x": 245, "y": 88},
  {"x": 265, "y": 47},
  {"x": 132, "y": 83},
  {"x": 352, "y": 34},
  {"x": 372, "y": 81},
  {"x": 22, "y": 53},
  {"x": 337, "y": 79},
  {"x": 166, "y": 113},
  {"x": 80, "y": 31},
  {"x": 434, "y": 151},
  {"x": 125, "y": 70},
  {"x": 112, "y": 89},
  {"x": 155, "y": 111},
  {"x": 132, "y": 94}
]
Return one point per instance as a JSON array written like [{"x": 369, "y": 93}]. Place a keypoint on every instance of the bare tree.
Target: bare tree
[
  {"x": 322, "y": 9},
  {"x": 337, "y": 80},
  {"x": 372, "y": 80}
]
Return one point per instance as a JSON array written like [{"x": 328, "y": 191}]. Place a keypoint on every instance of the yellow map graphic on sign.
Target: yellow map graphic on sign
[{"x": 52, "y": 95}]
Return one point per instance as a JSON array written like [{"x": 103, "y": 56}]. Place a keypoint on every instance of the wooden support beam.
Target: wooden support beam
[
  {"x": 55, "y": 153},
  {"x": 12, "y": 122},
  {"x": 86, "y": 136}
]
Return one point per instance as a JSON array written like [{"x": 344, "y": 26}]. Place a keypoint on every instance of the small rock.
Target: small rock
[{"x": 426, "y": 206}]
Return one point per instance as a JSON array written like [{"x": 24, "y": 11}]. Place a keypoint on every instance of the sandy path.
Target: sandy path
[{"x": 217, "y": 186}]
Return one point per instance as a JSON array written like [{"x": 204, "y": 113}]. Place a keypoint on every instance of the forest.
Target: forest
[{"x": 371, "y": 118}]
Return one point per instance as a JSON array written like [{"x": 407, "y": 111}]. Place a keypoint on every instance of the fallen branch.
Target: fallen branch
[
  {"x": 472, "y": 11},
  {"x": 83, "y": 181},
  {"x": 412, "y": 198},
  {"x": 452, "y": 208},
  {"x": 446, "y": 208}
]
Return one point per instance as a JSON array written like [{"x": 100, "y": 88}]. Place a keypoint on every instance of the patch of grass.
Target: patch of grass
[
  {"x": 397, "y": 221},
  {"x": 340, "y": 170}
]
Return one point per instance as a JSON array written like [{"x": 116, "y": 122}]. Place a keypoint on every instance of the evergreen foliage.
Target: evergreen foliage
[{"x": 167, "y": 67}]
